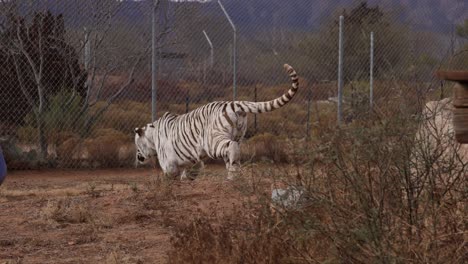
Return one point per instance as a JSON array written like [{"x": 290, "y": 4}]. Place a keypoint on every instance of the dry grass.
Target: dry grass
[
  {"x": 365, "y": 199},
  {"x": 67, "y": 210},
  {"x": 363, "y": 204},
  {"x": 109, "y": 142},
  {"x": 90, "y": 189},
  {"x": 233, "y": 238},
  {"x": 117, "y": 257},
  {"x": 264, "y": 147},
  {"x": 123, "y": 116},
  {"x": 104, "y": 148}
]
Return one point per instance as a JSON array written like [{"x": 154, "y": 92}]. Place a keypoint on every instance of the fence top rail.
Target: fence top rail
[{"x": 452, "y": 75}]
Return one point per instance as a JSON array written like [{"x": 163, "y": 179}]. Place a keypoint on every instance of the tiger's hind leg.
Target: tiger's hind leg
[{"x": 232, "y": 159}]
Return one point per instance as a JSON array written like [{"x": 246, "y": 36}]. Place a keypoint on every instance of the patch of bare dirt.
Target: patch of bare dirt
[{"x": 102, "y": 216}]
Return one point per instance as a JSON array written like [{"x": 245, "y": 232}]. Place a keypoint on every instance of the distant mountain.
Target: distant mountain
[
  {"x": 252, "y": 15},
  {"x": 430, "y": 15}
]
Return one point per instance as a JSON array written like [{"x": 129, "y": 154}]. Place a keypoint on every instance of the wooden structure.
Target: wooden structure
[{"x": 460, "y": 102}]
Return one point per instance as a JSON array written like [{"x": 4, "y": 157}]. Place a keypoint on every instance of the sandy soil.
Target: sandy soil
[{"x": 102, "y": 216}]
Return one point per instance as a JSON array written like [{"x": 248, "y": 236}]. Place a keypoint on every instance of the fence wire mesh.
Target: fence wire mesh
[{"x": 75, "y": 76}]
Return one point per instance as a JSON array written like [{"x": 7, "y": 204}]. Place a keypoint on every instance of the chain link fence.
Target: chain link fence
[{"x": 76, "y": 76}]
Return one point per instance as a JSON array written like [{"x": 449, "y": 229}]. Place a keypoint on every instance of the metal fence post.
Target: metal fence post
[
  {"x": 87, "y": 49},
  {"x": 255, "y": 116},
  {"x": 234, "y": 51},
  {"x": 211, "y": 48},
  {"x": 340, "y": 71},
  {"x": 204, "y": 72},
  {"x": 309, "y": 104},
  {"x": 234, "y": 80},
  {"x": 154, "y": 63},
  {"x": 371, "y": 77}
]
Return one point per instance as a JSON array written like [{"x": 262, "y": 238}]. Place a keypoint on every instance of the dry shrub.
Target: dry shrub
[
  {"x": 290, "y": 121},
  {"x": 117, "y": 257},
  {"x": 323, "y": 118},
  {"x": 27, "y": 134},
  {"x": 67, "y": 211},
  {"x": 60, "y": 137},
  {"x": 385, "y": 206},
  {"x": 67, "y": 151},
  {"x": 157, "y": 192},
  {"x": 104, "y": 147},
  {"x": 367, "y": 201},
  {"x": 85, "y": 235},
  {"x": 248, "y": 235},
  {"x": 264, "y": 147},
  {"x": 12, "y": 261},
  {"x": 123, "y": 116},
  {"x": 109, "y": 132}
]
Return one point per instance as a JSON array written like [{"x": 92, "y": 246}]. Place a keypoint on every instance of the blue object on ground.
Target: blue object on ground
[{"x": 3, "y": 168}]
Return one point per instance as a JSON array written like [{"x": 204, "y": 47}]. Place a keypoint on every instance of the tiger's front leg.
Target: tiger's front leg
[
  {"x": 172, "y": 171},
  {"x": 232, "y": 159},
  {"x": 191, "y": 172}
]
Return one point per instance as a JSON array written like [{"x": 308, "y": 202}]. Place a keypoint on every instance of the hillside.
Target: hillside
[{"x": 426, "y": 15}]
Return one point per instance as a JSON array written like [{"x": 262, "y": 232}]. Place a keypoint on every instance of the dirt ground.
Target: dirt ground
[{"x": 102, "y": 216}]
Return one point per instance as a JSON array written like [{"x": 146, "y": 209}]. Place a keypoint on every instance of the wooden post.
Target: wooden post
[{"x": 460, "y": 102}]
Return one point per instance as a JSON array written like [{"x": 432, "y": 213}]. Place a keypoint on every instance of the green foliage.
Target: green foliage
[
  {"x": 62, "y": 115},
  {"x": 426, "y": 59},
  {"x": 459, "y": 61},
  {"x": 43, "y": 35},
  {"x": 123, "y": 116},
  {"x": 462, "y": 30},
  {"x": 359, "y": 22}
]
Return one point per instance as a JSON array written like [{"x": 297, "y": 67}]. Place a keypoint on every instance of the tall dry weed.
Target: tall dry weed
[{"x": 368, "y": 201}]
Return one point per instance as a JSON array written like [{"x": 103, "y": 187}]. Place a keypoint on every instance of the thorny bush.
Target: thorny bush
[{"x": 376, "y": 191}]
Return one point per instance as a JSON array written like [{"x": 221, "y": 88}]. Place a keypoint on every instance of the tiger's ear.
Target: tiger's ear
[{"x": 139, "y": 131}]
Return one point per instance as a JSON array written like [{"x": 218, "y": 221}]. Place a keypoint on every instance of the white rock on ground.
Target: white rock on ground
[{"x": 290, "y": 197}]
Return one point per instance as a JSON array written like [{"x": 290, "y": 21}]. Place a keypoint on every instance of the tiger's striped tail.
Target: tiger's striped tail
[{"x": 268, "y": 106}]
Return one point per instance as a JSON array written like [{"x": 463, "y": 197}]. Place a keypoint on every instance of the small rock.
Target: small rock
[{"x": 290, "y": 197}]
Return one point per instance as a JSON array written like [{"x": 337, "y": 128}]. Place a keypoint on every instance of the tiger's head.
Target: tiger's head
[{"x": 145, "y": 148}]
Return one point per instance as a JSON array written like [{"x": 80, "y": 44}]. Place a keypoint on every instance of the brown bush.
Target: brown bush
[
  {"x": 264, "y": 147},
  {"x": 123, "y": 116},
  {"x": 248, "y": 235},
  {"x": 366, "y": 201},
  {"x": 104, "y": 147},
  {"x": 27, "y": 134},
  {"x": 60, "y": 137},
  {"x": 68, "y": 151},
  {"x": 67, "y": 211}
]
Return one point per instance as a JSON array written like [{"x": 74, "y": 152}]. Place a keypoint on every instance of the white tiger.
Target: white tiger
[{"x": 213, "y": 130}]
